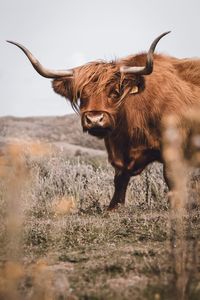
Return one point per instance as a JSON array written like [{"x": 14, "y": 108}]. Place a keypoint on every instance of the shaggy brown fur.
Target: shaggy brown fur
[{"x": 136, "y": 106}]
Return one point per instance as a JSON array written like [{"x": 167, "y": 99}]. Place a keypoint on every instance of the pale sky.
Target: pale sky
[{"x": 64, "y": 34}]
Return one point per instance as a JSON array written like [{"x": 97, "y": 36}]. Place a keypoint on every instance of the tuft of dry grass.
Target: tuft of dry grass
[
  {"x": 180, "y": 155},
  {"x": 176, "y": 166}
]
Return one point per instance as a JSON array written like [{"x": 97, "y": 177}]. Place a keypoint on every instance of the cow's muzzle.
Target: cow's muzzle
[{"x": 96, "y": 123}]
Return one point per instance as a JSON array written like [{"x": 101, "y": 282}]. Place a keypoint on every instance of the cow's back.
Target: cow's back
[{"x": 188, "y": 70}]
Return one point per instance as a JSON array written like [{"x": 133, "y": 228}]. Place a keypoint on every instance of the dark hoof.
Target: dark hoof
[{"x": 113, "y": 207}]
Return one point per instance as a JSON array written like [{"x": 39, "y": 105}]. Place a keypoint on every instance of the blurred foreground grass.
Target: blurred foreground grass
[{"x": 57, "y": 240}]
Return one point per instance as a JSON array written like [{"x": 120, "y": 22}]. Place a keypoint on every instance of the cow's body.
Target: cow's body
[
  {"x": 136, "y": 141},
  {"x": 127, "y": 110}
]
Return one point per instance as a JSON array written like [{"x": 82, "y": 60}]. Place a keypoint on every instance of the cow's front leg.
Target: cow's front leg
[{"x": 121, "y": 181}]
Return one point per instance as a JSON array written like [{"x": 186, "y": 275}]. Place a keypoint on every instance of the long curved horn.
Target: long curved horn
[
  {"x": 39, "y": 68},
  {"x": 148, "y": 68}
]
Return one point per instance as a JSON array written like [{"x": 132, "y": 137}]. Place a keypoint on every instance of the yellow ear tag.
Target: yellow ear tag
[{"x": 134, "y": 90}]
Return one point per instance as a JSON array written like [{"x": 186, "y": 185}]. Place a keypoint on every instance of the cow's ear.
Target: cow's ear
[{"x": 64, "y": 87}]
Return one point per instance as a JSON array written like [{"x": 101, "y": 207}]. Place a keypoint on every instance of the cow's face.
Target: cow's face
[
  {"x": 98, "y": 91},
  {"x": 98, "y": 110}
]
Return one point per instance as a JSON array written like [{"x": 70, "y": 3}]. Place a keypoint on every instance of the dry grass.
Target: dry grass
[
  {"x": 183, "y": 249},
  {"x": 59, "y": 242}
]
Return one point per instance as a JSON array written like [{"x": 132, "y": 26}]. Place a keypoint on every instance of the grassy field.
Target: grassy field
[{"x": 58, "y": 241}]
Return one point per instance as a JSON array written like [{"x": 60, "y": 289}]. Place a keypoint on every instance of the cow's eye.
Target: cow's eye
[{"x": 114, "y": 94}]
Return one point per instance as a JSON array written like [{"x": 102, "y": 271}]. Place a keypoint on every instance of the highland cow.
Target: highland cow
[{"x": 125, "y": 101}]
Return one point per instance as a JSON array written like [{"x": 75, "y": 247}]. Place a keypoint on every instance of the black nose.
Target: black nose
[{"x": 94, "y": 119}]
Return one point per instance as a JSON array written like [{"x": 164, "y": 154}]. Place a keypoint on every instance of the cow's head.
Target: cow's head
[{"x": 97, "y": 90}]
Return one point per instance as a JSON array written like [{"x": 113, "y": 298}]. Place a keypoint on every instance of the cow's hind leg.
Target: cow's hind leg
[{"x": 121, "y": 181}]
